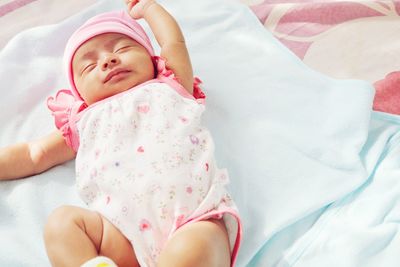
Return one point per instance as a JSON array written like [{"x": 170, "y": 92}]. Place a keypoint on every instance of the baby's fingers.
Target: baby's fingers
[{"x": 131, "y": 3}]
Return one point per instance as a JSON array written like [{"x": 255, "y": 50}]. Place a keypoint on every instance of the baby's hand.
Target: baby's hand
[{"x": 137, "y": 8}]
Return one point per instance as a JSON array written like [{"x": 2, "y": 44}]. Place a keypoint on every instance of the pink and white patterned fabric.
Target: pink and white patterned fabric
[
  {"x": 146, "y": 163},
  {"x": 343, "y": 39}
]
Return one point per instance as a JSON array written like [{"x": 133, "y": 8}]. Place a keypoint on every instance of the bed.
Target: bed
[{"x": 313, "y": 156}]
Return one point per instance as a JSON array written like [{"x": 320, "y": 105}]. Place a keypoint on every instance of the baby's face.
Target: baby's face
[{"x": 109, "y": 64}]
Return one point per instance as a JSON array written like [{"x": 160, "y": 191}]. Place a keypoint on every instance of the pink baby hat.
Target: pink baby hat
[{"x": 109, "y": 22}]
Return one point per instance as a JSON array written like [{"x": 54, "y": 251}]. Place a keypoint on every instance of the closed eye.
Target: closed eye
[
  {"x": 89, "y": 67},
  {"x": 123, "y": 48}
]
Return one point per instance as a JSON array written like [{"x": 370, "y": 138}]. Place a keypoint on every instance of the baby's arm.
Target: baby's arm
[
  {"x": 169, "y": 37},
  {"x": 26, "y": 159}
]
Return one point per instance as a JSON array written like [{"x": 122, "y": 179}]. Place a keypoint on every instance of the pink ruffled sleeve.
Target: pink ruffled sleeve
[
  {"x": 165, "y": 74},
  {"x": 197, "y": 92},
  {"x": 64, "y": 108}
]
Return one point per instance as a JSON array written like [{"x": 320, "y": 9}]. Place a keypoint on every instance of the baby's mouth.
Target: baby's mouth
[{"x": 116, "y": 74}]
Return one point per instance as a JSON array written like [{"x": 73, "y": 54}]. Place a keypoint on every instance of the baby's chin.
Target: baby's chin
[{"x": 110, "y": 93}]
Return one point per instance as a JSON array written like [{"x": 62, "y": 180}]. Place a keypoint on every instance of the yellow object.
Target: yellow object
[{"x": 103, "y": 264}]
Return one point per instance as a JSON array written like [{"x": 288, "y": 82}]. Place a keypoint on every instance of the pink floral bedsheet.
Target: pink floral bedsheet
[
  {"x": 343, "y": 39},
  {"x": 19, "y": 15}
]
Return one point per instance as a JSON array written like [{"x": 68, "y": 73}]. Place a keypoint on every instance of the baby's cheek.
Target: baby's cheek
[{"x": 84, "y": 89}]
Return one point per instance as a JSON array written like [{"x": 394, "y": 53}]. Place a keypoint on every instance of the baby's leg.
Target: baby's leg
[
  {"x": 75, "y": 235},
  {"x": 199, "y": 244}
]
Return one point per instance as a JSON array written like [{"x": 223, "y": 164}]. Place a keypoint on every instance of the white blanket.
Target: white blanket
[{"x": 290, "y": 137}]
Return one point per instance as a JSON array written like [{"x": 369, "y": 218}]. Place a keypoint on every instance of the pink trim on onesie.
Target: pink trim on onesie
[{"x": 218, "y": 214}]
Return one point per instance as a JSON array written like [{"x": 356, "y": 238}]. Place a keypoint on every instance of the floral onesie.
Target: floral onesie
[{"x": 145, "y": 162}]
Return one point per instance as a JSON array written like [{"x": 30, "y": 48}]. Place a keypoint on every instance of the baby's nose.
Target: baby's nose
[{"x": 109, "y": 61}]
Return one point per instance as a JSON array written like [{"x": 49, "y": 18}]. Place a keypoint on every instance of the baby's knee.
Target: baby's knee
[
  {"x": 184, "y": 252},
  {"x": 58, "y": 222},
  {"x": 196, "y": 246}
]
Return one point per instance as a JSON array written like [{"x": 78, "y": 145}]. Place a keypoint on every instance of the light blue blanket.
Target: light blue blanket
[
  {"x": 360, "y": 229},
  {"x": 292, "y": 139}
]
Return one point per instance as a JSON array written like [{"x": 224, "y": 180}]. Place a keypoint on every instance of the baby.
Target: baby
[{"x": 144, "y": 163}]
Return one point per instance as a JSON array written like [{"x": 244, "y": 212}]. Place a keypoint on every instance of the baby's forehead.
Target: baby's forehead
[{"x": 105, "y": 40}]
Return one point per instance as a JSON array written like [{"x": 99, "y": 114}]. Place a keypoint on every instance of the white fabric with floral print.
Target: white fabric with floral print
[{"x": 147, "y": 165}]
